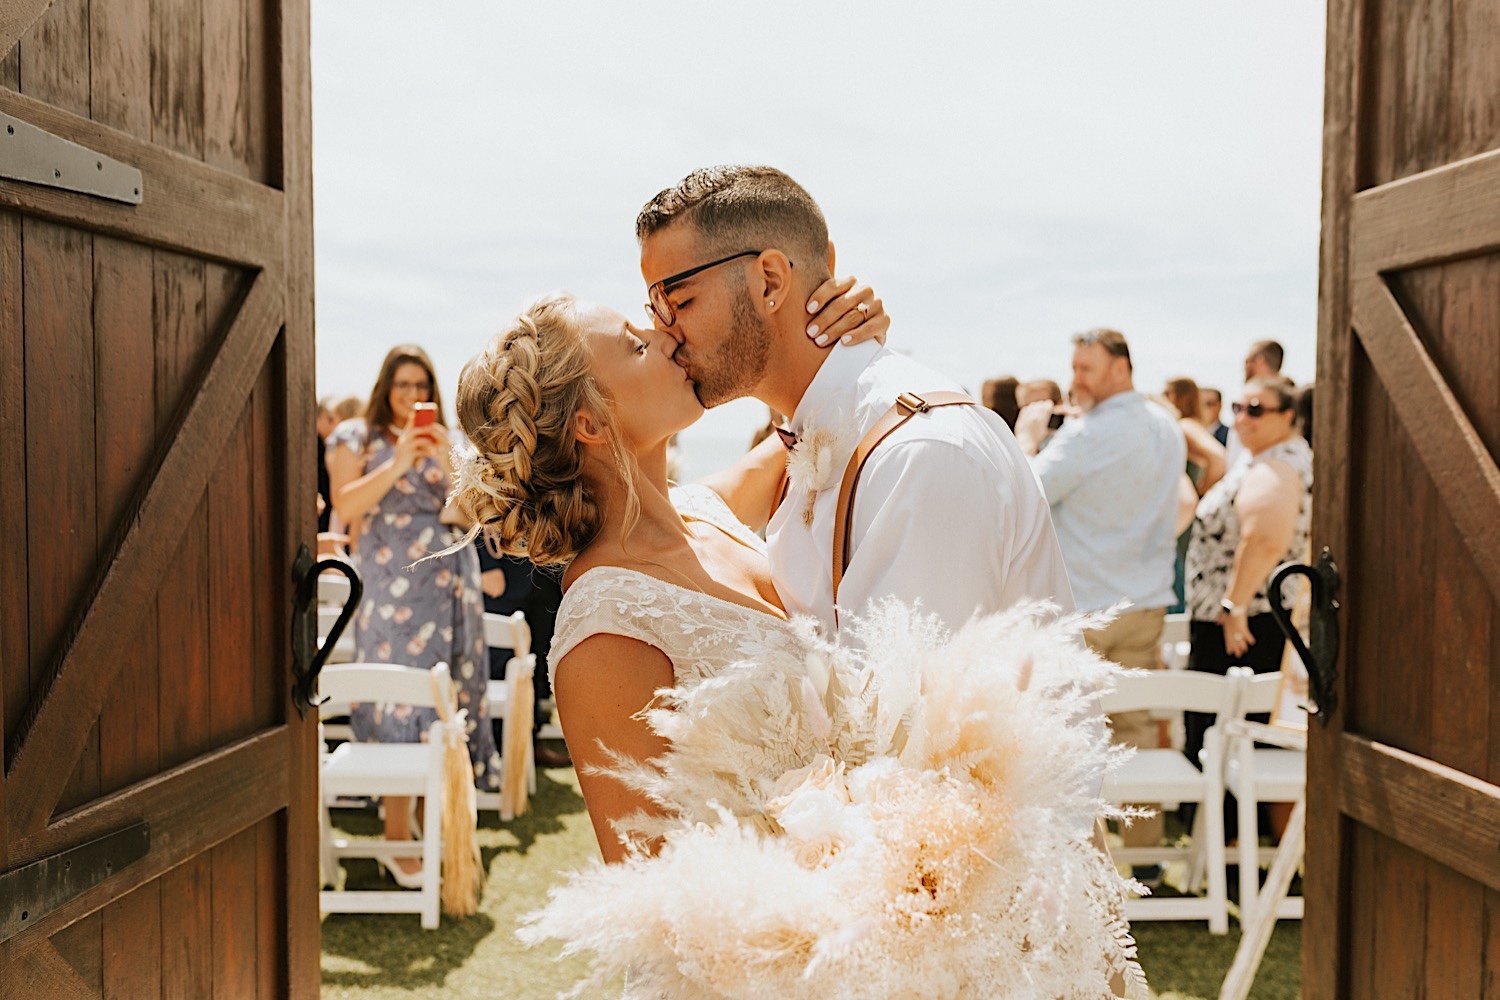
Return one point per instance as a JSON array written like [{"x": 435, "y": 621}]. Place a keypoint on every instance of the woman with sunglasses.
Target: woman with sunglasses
[{"x": 1254, "y": 519}]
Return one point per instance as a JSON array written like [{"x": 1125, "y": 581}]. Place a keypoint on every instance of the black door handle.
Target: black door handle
[
  {"x": 307, "y": 656},
  {"x": 1322, "y": 658}
]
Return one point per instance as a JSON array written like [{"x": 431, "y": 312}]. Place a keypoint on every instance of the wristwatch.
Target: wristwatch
[{"x": 1229, "y": 607}]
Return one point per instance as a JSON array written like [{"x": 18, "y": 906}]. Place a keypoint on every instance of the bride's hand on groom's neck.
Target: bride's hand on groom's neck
[{"x": 844, "y": 311}]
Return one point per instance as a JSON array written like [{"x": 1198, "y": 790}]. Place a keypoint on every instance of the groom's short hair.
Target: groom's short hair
[{"x": 741, "y": 208}]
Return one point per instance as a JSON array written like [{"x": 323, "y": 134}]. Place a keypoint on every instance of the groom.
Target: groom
[{"x": 947, "y": 511}]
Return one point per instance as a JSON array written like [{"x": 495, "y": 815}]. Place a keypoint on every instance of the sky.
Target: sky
[{"x": 1003, "y": 174}]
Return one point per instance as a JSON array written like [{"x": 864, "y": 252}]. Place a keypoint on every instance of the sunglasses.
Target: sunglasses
[{"x": 1254, "y": 408}]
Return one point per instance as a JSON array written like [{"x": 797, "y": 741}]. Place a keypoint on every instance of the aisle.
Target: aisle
[{"x": 382, "y": 957}]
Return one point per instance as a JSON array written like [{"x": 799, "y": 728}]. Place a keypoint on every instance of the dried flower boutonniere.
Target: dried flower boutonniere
[{"x": 811, "y": 465}]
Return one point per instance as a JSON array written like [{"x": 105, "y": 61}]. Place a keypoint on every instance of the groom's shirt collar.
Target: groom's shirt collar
[{"x": 836, "y": 378}]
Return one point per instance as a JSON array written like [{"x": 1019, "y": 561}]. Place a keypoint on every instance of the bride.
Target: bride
[{"x": 570, "y": 411}]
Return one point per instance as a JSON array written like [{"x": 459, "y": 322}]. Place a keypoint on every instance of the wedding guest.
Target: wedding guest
[
  {"x": 1264, "y": 360},
  {"x": 512, "y": 584},
  {"x": 1304, "y": 409},
  {"x": 1211, "y": 409},
  {"x": 324, "y": 424},
  {"x": 999, "y": 395},
  {"x": 1111, "y": 475},
  {"x": 348, "y": 407},
  {"x": 1206, "y": 459},
  {"x": 391, "y": 479},
  {"x": 1205, "y": 466},
  {"x": 1037, "y": 390},
  {"x": 1257, "y": 517}
]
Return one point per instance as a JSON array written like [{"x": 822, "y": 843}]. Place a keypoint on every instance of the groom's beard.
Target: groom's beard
[{"x": 739, "y": 363}]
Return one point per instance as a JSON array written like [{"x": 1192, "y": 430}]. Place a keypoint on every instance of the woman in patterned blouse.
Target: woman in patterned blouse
[{"x": 1254, "y": 519}]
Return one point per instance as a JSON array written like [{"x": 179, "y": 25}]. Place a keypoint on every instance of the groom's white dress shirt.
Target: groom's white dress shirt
[{"x": 948, "y": 512}]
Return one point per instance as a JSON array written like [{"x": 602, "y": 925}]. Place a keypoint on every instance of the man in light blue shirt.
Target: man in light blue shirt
[{"x": 1111, "y": 474}]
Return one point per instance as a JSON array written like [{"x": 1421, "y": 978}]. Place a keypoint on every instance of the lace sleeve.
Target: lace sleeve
[{"x": 608, "y": 601}]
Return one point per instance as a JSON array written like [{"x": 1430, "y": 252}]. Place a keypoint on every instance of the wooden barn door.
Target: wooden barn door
[
  {"x": 157, "y": 832},
  {"x": 1403, "y": 857}
]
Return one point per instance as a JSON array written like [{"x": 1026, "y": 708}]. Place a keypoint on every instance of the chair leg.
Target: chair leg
[
  {"x": 327, "y": 862},
  {"x": 1198, "y": 859},
  {"x": 432, "y": 846},
  {"x": 1213, "y": 829},
  {"x": 1257, "y": 933},
  {"x": 1249, "y": 831}
]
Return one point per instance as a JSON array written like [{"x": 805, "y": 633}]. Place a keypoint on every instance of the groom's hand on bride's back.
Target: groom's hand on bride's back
[{"x": 842, "y": 310}]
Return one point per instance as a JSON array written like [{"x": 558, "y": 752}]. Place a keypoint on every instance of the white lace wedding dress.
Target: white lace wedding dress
[{"x": 701, "y": 634}]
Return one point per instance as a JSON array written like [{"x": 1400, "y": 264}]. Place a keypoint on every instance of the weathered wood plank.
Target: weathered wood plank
[
  {"x": 269, "y": 602},
  {"x": 270, "y": 876},
  {"x": 234, "y": 917},
  {"x": 246, "y": 781},
  {"x": 15, "y": 609},
  {"x": 1398, "y": 891},
  {"x": 186, "y": 927},
  {"x": 1454, "y": 936},
  {"x": 228, "y": 100},
  {"x": 1443, "y": 813},
  {"x": 15, "y": 656},
  {"x": 58, "y": 288},
  {"x": 188, "y": 207},
  {"x": 1448, "y": 443},
  {"x": 1324, "y": 939},
  {"x": 1473, "y": 112},
  {"x": 132, "y": 944},
  {"x": 43, "y": 972},
  {"x": 85, "y": 670},
  {"x": 17, "y": 18},
  {"x": 303, "y": 928},
  {"x": 1447, "y": 212},
  {"x": 183, "y": 623}
]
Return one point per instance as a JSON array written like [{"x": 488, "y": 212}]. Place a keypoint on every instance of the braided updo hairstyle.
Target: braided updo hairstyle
[{"x": 523, "y": 487}]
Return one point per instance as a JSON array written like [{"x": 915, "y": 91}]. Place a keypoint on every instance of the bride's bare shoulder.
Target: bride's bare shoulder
[{"x": 593, "y": 557}]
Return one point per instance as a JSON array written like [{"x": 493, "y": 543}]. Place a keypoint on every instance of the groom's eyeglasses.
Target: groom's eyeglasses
[{"x": 661, "y": 307}]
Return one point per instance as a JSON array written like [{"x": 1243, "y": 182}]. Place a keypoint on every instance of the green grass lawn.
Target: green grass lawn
[{"x": 377, "y": 956}]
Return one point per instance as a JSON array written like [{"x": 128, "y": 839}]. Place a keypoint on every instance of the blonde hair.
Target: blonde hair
[{"x": 522, "y": 485}]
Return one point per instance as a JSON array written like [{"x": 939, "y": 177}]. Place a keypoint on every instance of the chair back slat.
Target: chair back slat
[
  {"x": 507, "y": 632},
  {"x": 327, "y": 615},
  {"x": 345, "y": 683},
  {"x": 1259, "y": 692},
  {"x": 333, "y": 588},
  {"x": 1170, "y": 690},
  {"x": 1175, "y": 628}
]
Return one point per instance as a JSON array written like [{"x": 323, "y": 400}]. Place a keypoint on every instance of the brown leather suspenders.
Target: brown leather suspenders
[{"x": 907, "y": 405}]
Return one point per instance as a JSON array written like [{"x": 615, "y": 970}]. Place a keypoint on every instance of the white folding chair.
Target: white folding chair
[
  {"x": 1176, "y": 641},
  {"x": 333, "y": 591},
  {"x": 380, "y": 769},
  {"x": 510, "y": 632},
  {"x": 1165, "y": 775},
  {"x": 1257, "y": 926},
  {"x": 343, "y": 650},
  {"x": 1254, "y": 775},
  {"x": 333, "y": 588}
]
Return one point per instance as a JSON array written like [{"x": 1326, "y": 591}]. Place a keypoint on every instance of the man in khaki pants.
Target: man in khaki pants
[{"x": 1111, "y": 473}]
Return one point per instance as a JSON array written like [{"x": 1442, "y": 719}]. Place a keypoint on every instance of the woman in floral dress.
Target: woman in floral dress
[{"x": 391, "y": 480}]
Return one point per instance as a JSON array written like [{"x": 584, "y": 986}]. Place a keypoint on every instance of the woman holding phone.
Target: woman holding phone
[{"x": 389, "y": 474}]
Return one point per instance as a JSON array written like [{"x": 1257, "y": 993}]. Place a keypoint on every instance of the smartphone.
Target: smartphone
[
  {"x": 1053, "y": 422},
  {"x": 423, "y": 414}
]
